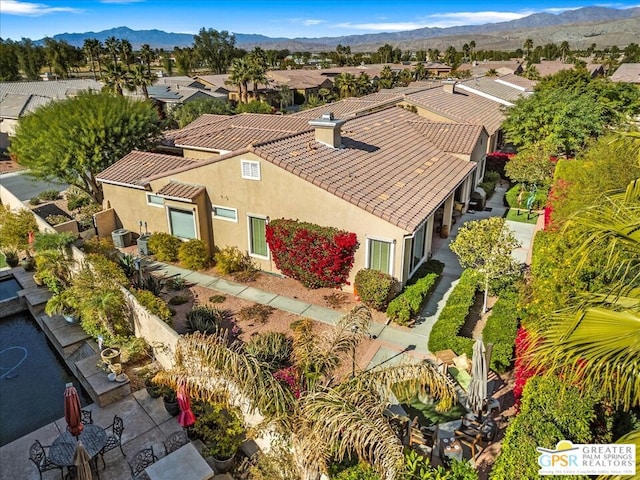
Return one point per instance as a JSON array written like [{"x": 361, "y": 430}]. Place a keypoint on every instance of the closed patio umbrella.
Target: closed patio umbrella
[
  {"x": 477, "y": 392},
  {"x": 72, "y": 413},
  {"x": 186, "y": 418},
  {"x": 81, "y": 461}
]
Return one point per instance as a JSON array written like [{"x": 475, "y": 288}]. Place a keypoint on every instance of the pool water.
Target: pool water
[
  {"x": 32, "y": 379},
  {"x": 9, "y": 288}
]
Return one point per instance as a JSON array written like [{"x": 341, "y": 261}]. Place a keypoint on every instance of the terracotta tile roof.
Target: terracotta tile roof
[
  {"x": 236, "y": 132},
  {"x": 386, "y": 166},
  {"x": 134, "y": 168},
  {"x": 518, "y": 81},
  {"x": 460, "y": 107},
  {"x": 627, "y": 72},
  {"x": 449, "y": 137},
  {"x": 182, "y": 191},
  {"x": 481, "y": 68},
  {"x": 351, "y": 107},
  {"x": 488, "y": 86}
]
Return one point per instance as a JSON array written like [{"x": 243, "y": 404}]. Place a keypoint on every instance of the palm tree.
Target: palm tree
[
  {"x": 140, "y": 77},
  {"x": 126, "y": 53},
  {"x": 146, "y": 56},
  {"x": 565, "y": 50},
  {"x": 323, "y": 418},
  {"x": 240, "y": 76},
  {"x": 112, "y": 44},
  {"x": 528, "y": 46},
  {"x": 117, "y": 80},
  {"x": 419, "y": 72},
  {"x": 91, "y": 48},
  {"x": 363, "y": 84},
  {"x": 347, "y": 84},
  {"x": 596, "y": 341},
  {"x": 472, "y": 46},
  {"x": 257, "y": 61}
]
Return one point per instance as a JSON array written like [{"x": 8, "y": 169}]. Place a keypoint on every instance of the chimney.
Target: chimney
[
  {"x": 449, "y": 86},
  {"x": 328, "y": 130}
]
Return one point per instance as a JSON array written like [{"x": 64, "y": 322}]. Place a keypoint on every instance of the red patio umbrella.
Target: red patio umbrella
[
  {"x": 186, "y": 418},
  {"x": 72, "y": 413}
]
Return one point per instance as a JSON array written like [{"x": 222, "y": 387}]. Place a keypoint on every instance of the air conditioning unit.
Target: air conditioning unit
[{"x": 121, "y": 237}]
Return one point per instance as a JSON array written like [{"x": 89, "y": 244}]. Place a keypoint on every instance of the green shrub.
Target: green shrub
[
  {"x": 154, "y": 305},
  {"x": 53, "y": 241},
  {"x": 148, "y": 282},
  {"x": 177, "y": 283},
  {"x": 34, "y": 201},
  {"x": 221, "y": 430},
  {"x": 76, "y": 200},
  {"x": 406, "y": 306},
  {"x": 165, "y": 247},
  {"x": 85, "y": 215},
  {"x": 489, "y": 182},
  {"x": 551, "y": 411},
  {"x": 257, "y": 313},
  {"x": 501, "y": 329},
  {"x": 430, "y": 266},
  {"x": 375, "y": 288},
  {"x": 360, "y": 471},
  {"x": 101, "y": 246},
  {"x": 205, "y": 319},
  {"x": 127, "y": 263},
  {"x": 231, "y": 260},
  {"x": 444, "y": 334},
  {"x": 194, "y": 255},
  {"x": 273, "y": 348},
  {"x": 217, "y": 298},
  {"x": 50, "y": 195},
  {"x": 178, "y": 300}
]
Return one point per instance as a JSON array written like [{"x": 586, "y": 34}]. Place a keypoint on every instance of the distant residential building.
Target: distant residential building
[{"x": 627, "y": 73}]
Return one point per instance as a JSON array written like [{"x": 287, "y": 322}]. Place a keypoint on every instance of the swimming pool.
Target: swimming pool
[
  {"x": 9, "y": 288},
  {"x": 32, "y": 379}
]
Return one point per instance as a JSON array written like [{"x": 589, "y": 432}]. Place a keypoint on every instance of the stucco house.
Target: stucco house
[{"x": 389, "y": 176}]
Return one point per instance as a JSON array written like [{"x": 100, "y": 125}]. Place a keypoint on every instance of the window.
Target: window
[
  {"x": 250, "y": 169},
  {"x": 182, "y": 223},
  {"x": 154, "y": 200},
  {"x": 225, "y": 213},
  {"x": 379, "y": 255},
  {"x": 257, "y": 237}
]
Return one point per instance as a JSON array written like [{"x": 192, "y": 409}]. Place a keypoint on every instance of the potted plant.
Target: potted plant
[
  {"x": 221, "y": 429},
  {"x": 110, "y": 355},
  {"x": 64, "y": 304},
  {"x": 153, "y": 389},
  {"x": 170, "y": 401},
  {"x": 28, "y": 263},
  {"x": 11, "y": 257}
]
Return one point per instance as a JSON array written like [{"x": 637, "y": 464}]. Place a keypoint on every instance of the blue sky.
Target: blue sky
[{"x": 36, "y": 19}]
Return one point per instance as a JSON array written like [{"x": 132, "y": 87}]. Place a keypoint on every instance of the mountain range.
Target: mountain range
[{"x": 581, "y": 27}]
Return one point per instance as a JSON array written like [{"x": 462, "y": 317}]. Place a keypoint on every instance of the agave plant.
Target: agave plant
[
  {"x": 327, "y": 419},
  {"x": 205, "y": 319}
]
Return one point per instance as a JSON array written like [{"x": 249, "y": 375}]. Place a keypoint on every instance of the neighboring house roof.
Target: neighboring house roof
[
  {"x": 13, "y": 105},
  {"x": 56, "y": 89},
  {"x": 179, "y": 80},
  {"x": 175, "y": 94},
  {"x": 350, "y": 107},
  {"x": 517, "y": 82},
  {"x": 627, "y": 72},
  {"x": 239, "y": 131},
  {"x": 385, "y": 166},
  {"x": 551, "y": 67},
  {"x": 481, "y": 68},
  {"x": 180, "y": 191},
  {"x": 460, "y": 107},
  {"x": 450, "y": 137},
  {"x": 490, "y": 88},
  {"x": 132, "y": 169}
]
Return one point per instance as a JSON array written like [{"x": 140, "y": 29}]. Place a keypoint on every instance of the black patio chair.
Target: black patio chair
[
  {"x": 175, "y": 441},
  {"x": 114, "y": 439},
  {"x": 86, "y": 417},
  {"x": 38, "y": 456},
  {"x": 140, "y": 461}
]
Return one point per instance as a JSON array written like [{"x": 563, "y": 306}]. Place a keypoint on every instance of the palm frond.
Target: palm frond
[
  {"x": 595, "y": 347},
  {"x": 630, "y": 438},
  {"x": 353, "y": 422},
  {"x": 422, "y": 378},
  {"x": 206, "y": 366}
]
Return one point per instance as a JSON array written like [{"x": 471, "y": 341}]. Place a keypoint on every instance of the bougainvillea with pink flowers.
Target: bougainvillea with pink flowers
[{"x": 314, "y": 255}]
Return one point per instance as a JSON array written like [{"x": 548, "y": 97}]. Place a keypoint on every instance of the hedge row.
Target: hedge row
[
  {"x": 406, "y": 305},
  {"x": 501, "y": 329},
  {"x": 444, "y": 334}
]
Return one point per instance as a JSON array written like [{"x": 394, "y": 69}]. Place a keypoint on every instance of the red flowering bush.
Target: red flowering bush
[
  {"x": 314, "y": 255},
  {"x": 522, "y": 370},
  {"x": 290, "y": 377}
]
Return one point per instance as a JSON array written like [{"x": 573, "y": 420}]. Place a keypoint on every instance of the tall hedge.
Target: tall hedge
[
  {"x": 444, "y": 334},
  {"x": 317, "y": 256},
  {"x": 501, "y": 329},
  {"x": 406, "y": 306}
]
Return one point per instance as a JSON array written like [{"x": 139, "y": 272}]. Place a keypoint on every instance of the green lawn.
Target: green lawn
[
  {"x": 2, "y": 262},
  {"x": 521, "y": 216}
]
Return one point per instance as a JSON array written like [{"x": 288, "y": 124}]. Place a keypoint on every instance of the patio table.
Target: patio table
[
  {"x": 93, "y": 437},
  {"x": 186, "y": 463}
]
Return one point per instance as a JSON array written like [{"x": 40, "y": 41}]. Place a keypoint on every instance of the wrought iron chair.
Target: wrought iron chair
[
  {"x": 86, "y": 417},
  {"x": 140, "y": 461},
  {"x": 115, "y": 439},
  {"x": 38, "y": 456},
  {"x": 175, "y": 441}
]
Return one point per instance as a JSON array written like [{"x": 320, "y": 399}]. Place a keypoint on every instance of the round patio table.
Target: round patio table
[{"x": 93, "y": 437}]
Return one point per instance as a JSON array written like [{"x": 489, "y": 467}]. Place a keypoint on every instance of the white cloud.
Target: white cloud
[
  {"x": 310, "y": 22},
  {"x": 28, "y": 9}
]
